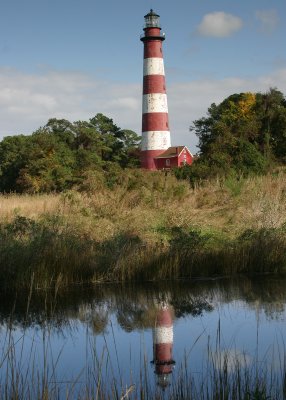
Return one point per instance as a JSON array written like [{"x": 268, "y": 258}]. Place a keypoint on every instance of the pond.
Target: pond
[{"x": 166, "y": 340}]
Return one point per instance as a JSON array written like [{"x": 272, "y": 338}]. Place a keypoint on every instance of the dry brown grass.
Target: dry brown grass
[
  {"x": 261, "y": 202},
  {"x": 145, "y": 232},
  {"x": 265, "y": 202},
  {"x": 30, "y": 206}
]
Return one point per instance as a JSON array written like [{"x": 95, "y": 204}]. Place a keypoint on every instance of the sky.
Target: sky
[{"x": 73, "y": 59}]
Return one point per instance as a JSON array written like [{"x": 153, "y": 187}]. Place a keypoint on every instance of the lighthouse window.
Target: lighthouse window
[{"x": 168, "y": 162}]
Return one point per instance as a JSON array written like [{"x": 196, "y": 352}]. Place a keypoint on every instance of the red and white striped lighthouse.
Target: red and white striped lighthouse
[
  {"x": 163, "y": 345},
  {"x": 155, "y": 123}
]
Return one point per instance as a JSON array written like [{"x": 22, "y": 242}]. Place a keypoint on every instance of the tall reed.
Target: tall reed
[
  {"x": 147, "y": 227},
  {"x": 223, "y": 375}
]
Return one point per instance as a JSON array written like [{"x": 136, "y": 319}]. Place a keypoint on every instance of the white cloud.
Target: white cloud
[
  {"x": 27, "y": 101},
  {"x": 232, "y": 359},
  {"x": 268, "y": 20},
  {"x": 219, "y": 24}
]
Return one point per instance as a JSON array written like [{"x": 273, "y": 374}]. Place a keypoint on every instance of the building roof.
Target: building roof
[
  {"x": 151, "y": 14},
  {"x": 173, "y": 151}
]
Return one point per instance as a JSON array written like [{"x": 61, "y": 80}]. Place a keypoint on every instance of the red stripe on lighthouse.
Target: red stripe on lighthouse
[
  {"x": 154, "y": 84},
  {"x": 163, "y": 342},
  {"x": 164, "y": 317},
  {"x": 155, "y": 122},
  {"x": 152, "y": 32},
  {"x": 154, "y": 49}
]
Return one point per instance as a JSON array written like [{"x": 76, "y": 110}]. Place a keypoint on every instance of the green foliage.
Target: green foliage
[
  {"x": 13, "y": 156},
  {"x": 51, "y": 248},
  {"x": 49, "y": 165},
  {"x": 234, "y": 184},
  {"x": 247, "y": 158},
  {"x": 193, "y": 239},
  {"x": 61, "y": 154},
  {"x": 21, "y": 228},
  {"x": 245, "y": 134}
]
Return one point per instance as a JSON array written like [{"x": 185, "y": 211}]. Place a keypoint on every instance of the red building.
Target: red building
[{"x": 174, "y": 157}]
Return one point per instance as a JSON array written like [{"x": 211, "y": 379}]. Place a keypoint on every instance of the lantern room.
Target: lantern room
[{"x": 152, "y": 20}]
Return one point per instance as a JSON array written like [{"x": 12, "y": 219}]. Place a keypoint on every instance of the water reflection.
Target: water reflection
[
  {"x": 163, "y": 344},
  {"x": 135, "y": 306},
  {"x": 228, "y": 322}
]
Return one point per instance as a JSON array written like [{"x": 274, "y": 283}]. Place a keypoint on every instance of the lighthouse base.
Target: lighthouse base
[{"x": 147, "y": 159}]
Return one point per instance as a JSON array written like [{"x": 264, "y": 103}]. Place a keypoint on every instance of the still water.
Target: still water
[{"x": 152, "y": 334}]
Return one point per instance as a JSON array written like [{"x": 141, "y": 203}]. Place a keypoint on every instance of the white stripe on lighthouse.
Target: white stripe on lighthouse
[
  {"x": 163, "y": 335},
  {"x": 154, "y": 102},
  {"x": 155, "y": 140},
  {"x": 153, "y": 66}
]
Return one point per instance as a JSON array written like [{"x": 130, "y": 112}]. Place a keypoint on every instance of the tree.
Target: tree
[
  {"x": 49, "y": 165},
  {"x": 271, "y": 108},
  {"x": 13, "y": 157},
  {"x": 130, "y": 153},
  {"x": 119, "y": 145},
  {"x": 245, "y": 133},
  {"x": 88, "y": 146},
  {"x": 61, "y": 154},
  {"x": 64, "y": 130}
]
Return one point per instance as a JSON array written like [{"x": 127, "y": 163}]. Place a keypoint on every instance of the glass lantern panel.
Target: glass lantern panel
[{"x": 152, "y": 22}]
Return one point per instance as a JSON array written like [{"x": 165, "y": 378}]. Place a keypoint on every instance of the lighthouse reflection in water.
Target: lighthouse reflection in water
[{"x": 163, "y": 344}]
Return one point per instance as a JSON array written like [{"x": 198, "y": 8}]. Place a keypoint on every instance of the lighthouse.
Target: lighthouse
[
  {"x": 163, "y": 344},
  {"x": 155, "y": 122},
  {"x": 156, "y": 151}
]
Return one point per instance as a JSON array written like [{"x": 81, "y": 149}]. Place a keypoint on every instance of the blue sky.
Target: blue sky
[{"x": 73, "y": 59}]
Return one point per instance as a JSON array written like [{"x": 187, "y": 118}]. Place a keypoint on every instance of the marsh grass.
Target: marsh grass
[
  {"x": 147, "y": 227},
  {"x": 31, "y": 206}
]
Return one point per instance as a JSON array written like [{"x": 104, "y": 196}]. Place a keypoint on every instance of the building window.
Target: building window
[{"x": 167, "y": 162}]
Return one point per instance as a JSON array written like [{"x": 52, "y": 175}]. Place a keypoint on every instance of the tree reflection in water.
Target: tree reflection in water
[{"x": 135, "y": 306}]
